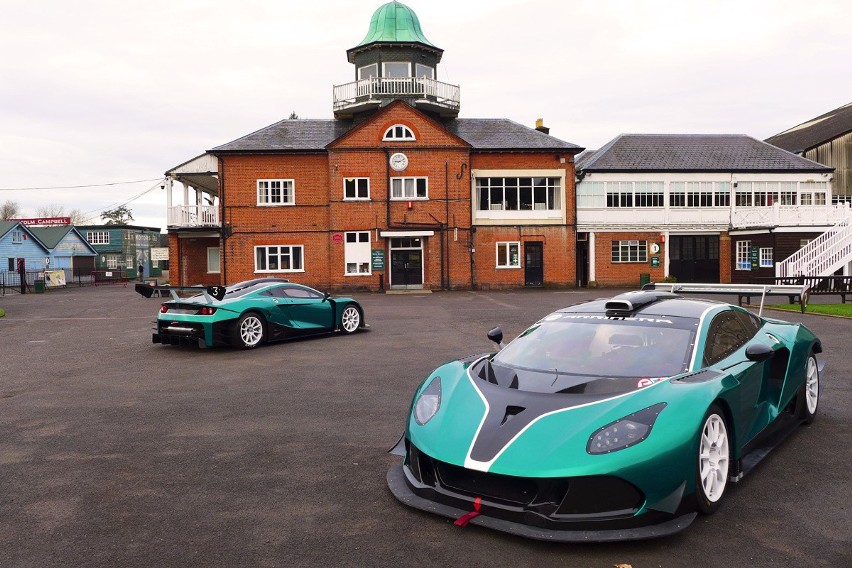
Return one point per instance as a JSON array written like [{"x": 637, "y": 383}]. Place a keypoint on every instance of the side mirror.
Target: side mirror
[
  {"x": 496, "y": 335},
  {"x": 326, "y": 296},
  {"x": 759, "y": 352}
]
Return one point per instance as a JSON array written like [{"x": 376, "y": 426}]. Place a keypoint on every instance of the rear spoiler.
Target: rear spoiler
[
  {"x": 210, "y": 293},
  {"x": 795, "y": 292}
]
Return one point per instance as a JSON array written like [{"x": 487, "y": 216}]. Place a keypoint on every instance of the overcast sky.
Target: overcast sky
[{"x": 107, "y": 92}]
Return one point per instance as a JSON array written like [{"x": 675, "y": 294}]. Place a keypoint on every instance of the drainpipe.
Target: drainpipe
[{"x": 224, "y": 229}]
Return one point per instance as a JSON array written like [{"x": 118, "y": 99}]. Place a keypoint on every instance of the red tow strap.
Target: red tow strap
[{"x": 465, "y": 519}]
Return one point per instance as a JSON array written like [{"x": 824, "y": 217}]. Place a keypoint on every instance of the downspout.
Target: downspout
[{"x": 224, "y": 227}]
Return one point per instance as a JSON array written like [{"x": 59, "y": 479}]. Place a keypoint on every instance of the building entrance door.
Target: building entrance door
[
  {"x": 694, "y": 258},
  {"x": 406, "y": 257},
  {"x": 533, "y": 263}
]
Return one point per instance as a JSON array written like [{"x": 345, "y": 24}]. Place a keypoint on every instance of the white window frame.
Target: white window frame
[
  {"x": 399, "y": 132},
  {"x": 385, "y": 69},
  {"x": 419, "y": 66},
  {"x": 357, "y": 253},
  {"x": 356, "y": 182},
  {"x": 17, "y": 236},
  {"x": 97, "y": 237},
  {"x": 629, "y": 251},
  {"x": 506, "y": 247},
  {"x": 404, "y": 184},
  {"x": 742, "y": 256},
  {"x": 211, "y": 269},
  {"x": 375, "y": 67},
  {"x": 279, "y": 253},
  {"x": 287, "y": 189},
  {"x": 112, "y": 262},
  {"x": 766, "y": 259}
]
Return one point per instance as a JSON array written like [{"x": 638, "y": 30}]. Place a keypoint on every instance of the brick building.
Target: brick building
[{"x": 394, "y": 192}]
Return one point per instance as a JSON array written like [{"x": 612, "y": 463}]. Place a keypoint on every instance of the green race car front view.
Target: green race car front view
[{"x": 591, "y": 426}]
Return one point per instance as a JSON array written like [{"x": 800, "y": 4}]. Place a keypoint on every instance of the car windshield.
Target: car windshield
[{"x": 586, "y": 352}]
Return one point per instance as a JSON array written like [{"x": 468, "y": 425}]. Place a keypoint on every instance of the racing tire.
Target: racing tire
[
  {"x": 250, "y": 330},
  {"x": 713, "y": 461},
  {"x": 807, "y": 399},
  {"x": 350, "y": 319}
]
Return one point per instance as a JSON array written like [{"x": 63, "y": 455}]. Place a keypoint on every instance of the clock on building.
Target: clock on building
[{"x": 398, "y": 161}]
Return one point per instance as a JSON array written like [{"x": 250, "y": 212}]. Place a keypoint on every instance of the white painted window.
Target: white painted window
[
  {"x": 421, "y": 70},
  {"x": 742, "y": 259},
  {"x": 398, "y": 132},
  {"x": 368, "y": 71},
  {"x": 271, "y": 192},
  {"x": 518, "y": 193},
  {"x": 509, "y": 255},
  {"x": 629, "y": 251},
  {"x": 97, "y": 237},
  {"x": 648, "y": 194},
  {"x": 212, "y": 259},
  {"x": 356, "y": 188},
  {"x": 112, "y": 261},
  {"x": 590, "y": 194},
  {"x": 813, "y": 192},
  {"x": 357, "y": 253},
  {"x": 699, "y": 194},
  {"x": 766, "y": 257},
  {"x": 396, "y": 69},
  {"x": 17, "y": 236},
  {"x": 409, "y": 188},
  {"x": 619, "y": 194},
  {"x": 279, "y": 258}
]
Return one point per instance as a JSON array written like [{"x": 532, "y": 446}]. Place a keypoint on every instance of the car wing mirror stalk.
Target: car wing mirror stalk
[
  {"x": 759, "y": 352},
  {"x": 496, "y": 335}
]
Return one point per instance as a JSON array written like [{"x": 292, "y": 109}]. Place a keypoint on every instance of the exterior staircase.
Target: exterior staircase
[{"x": 823, "y": 256}]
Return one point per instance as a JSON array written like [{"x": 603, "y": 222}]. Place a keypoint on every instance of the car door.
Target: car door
[
  {"x": 308, "y": 309},
  {"x": 728, "y": 332}
]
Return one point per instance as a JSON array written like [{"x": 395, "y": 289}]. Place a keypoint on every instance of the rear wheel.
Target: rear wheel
[
  {"x": 250, "y": 331},
  {"x": 350, "y": 319},
  {"x": 808, "y": 397},
  {"x": 714, "y": 458}
]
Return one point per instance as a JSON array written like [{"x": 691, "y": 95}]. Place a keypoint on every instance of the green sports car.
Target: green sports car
[
  {"x": 249, "y": 313},
  {"x": 610, "y": 420}
]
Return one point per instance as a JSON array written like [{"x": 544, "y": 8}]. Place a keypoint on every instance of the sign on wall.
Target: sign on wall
[
  {"x": 159, "y": 253},
  {"x": 378, "y": 259}
]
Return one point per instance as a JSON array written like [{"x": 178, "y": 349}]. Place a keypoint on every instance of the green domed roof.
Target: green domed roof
[{"x": 395, "y": 22}]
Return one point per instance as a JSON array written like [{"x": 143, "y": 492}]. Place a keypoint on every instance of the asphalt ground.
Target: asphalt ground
[{"x": 118, "y": 452}]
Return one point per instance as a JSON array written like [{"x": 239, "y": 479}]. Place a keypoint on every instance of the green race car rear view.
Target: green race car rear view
[{"x": 610, "y": 420}]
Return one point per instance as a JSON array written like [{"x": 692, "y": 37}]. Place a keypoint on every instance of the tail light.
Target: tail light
[
  {"x": 164, "y": 308},
  {"x": 207, "y": 311}
]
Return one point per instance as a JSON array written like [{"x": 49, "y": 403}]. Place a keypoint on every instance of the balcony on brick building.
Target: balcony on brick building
[
  {"x": 199, "y": 180},
  {"x": 424, "y": 93}
]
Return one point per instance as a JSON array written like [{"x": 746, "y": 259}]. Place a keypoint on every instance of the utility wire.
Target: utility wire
[{"x": 77, "y": 186}]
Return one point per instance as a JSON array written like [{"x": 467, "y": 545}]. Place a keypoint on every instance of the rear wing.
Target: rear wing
[
  {"x": 210, "y": 293},
  {"x": 796, "y": 293}
]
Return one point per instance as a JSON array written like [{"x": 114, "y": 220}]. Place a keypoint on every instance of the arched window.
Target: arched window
[{"x": 398, "y": 132}]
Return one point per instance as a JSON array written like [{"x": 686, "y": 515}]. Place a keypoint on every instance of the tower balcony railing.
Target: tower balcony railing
[
  {"x": 188, "y": 216},
  {"x": 378, "y": 88}
]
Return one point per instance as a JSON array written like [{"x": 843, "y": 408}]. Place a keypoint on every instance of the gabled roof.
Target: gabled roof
[
  {"x": 300, "y": 135},
  {"x": 50, "y": 236},
  {"x": 816, "y": 131},
  {"x": 694, "y": 153},
  {"x": 6, "y": 226}
]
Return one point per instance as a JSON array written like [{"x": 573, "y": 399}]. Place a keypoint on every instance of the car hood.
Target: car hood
[{"x": 487, "y": 427}]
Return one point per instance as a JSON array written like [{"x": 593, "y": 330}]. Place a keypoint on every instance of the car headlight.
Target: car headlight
[
  {"x": 626, "y": 432},
  {"x": 428, "y": 402}
]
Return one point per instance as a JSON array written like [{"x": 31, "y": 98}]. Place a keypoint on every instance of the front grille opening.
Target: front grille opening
[
  {"x": 505, "y": 488},
  {"x": 600, "y": 494}
]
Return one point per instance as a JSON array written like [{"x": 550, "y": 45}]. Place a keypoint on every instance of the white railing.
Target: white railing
[
  {"x": 822, "y": 256},
  {"x": 193, "y": 216},
  {"x": 384, "y": 87},
  {"x": 789, "y": 215}
]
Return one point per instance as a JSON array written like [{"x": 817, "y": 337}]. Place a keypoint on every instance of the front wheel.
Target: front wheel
[
  {"x": 808, "y": 397},
  {"x": 350, "y": 319},
  {"x": 249, "y": 331},
  {"x": 714, "y": 458}
]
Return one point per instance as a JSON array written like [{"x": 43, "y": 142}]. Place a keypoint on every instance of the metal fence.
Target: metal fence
[{"x": 10, "y": 281}]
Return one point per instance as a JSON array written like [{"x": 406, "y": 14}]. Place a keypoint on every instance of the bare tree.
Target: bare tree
[
  {"x": 52, "y": 210},
  {"x": 9, "y": 210},
  {"x": 77, "y": 217}
]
